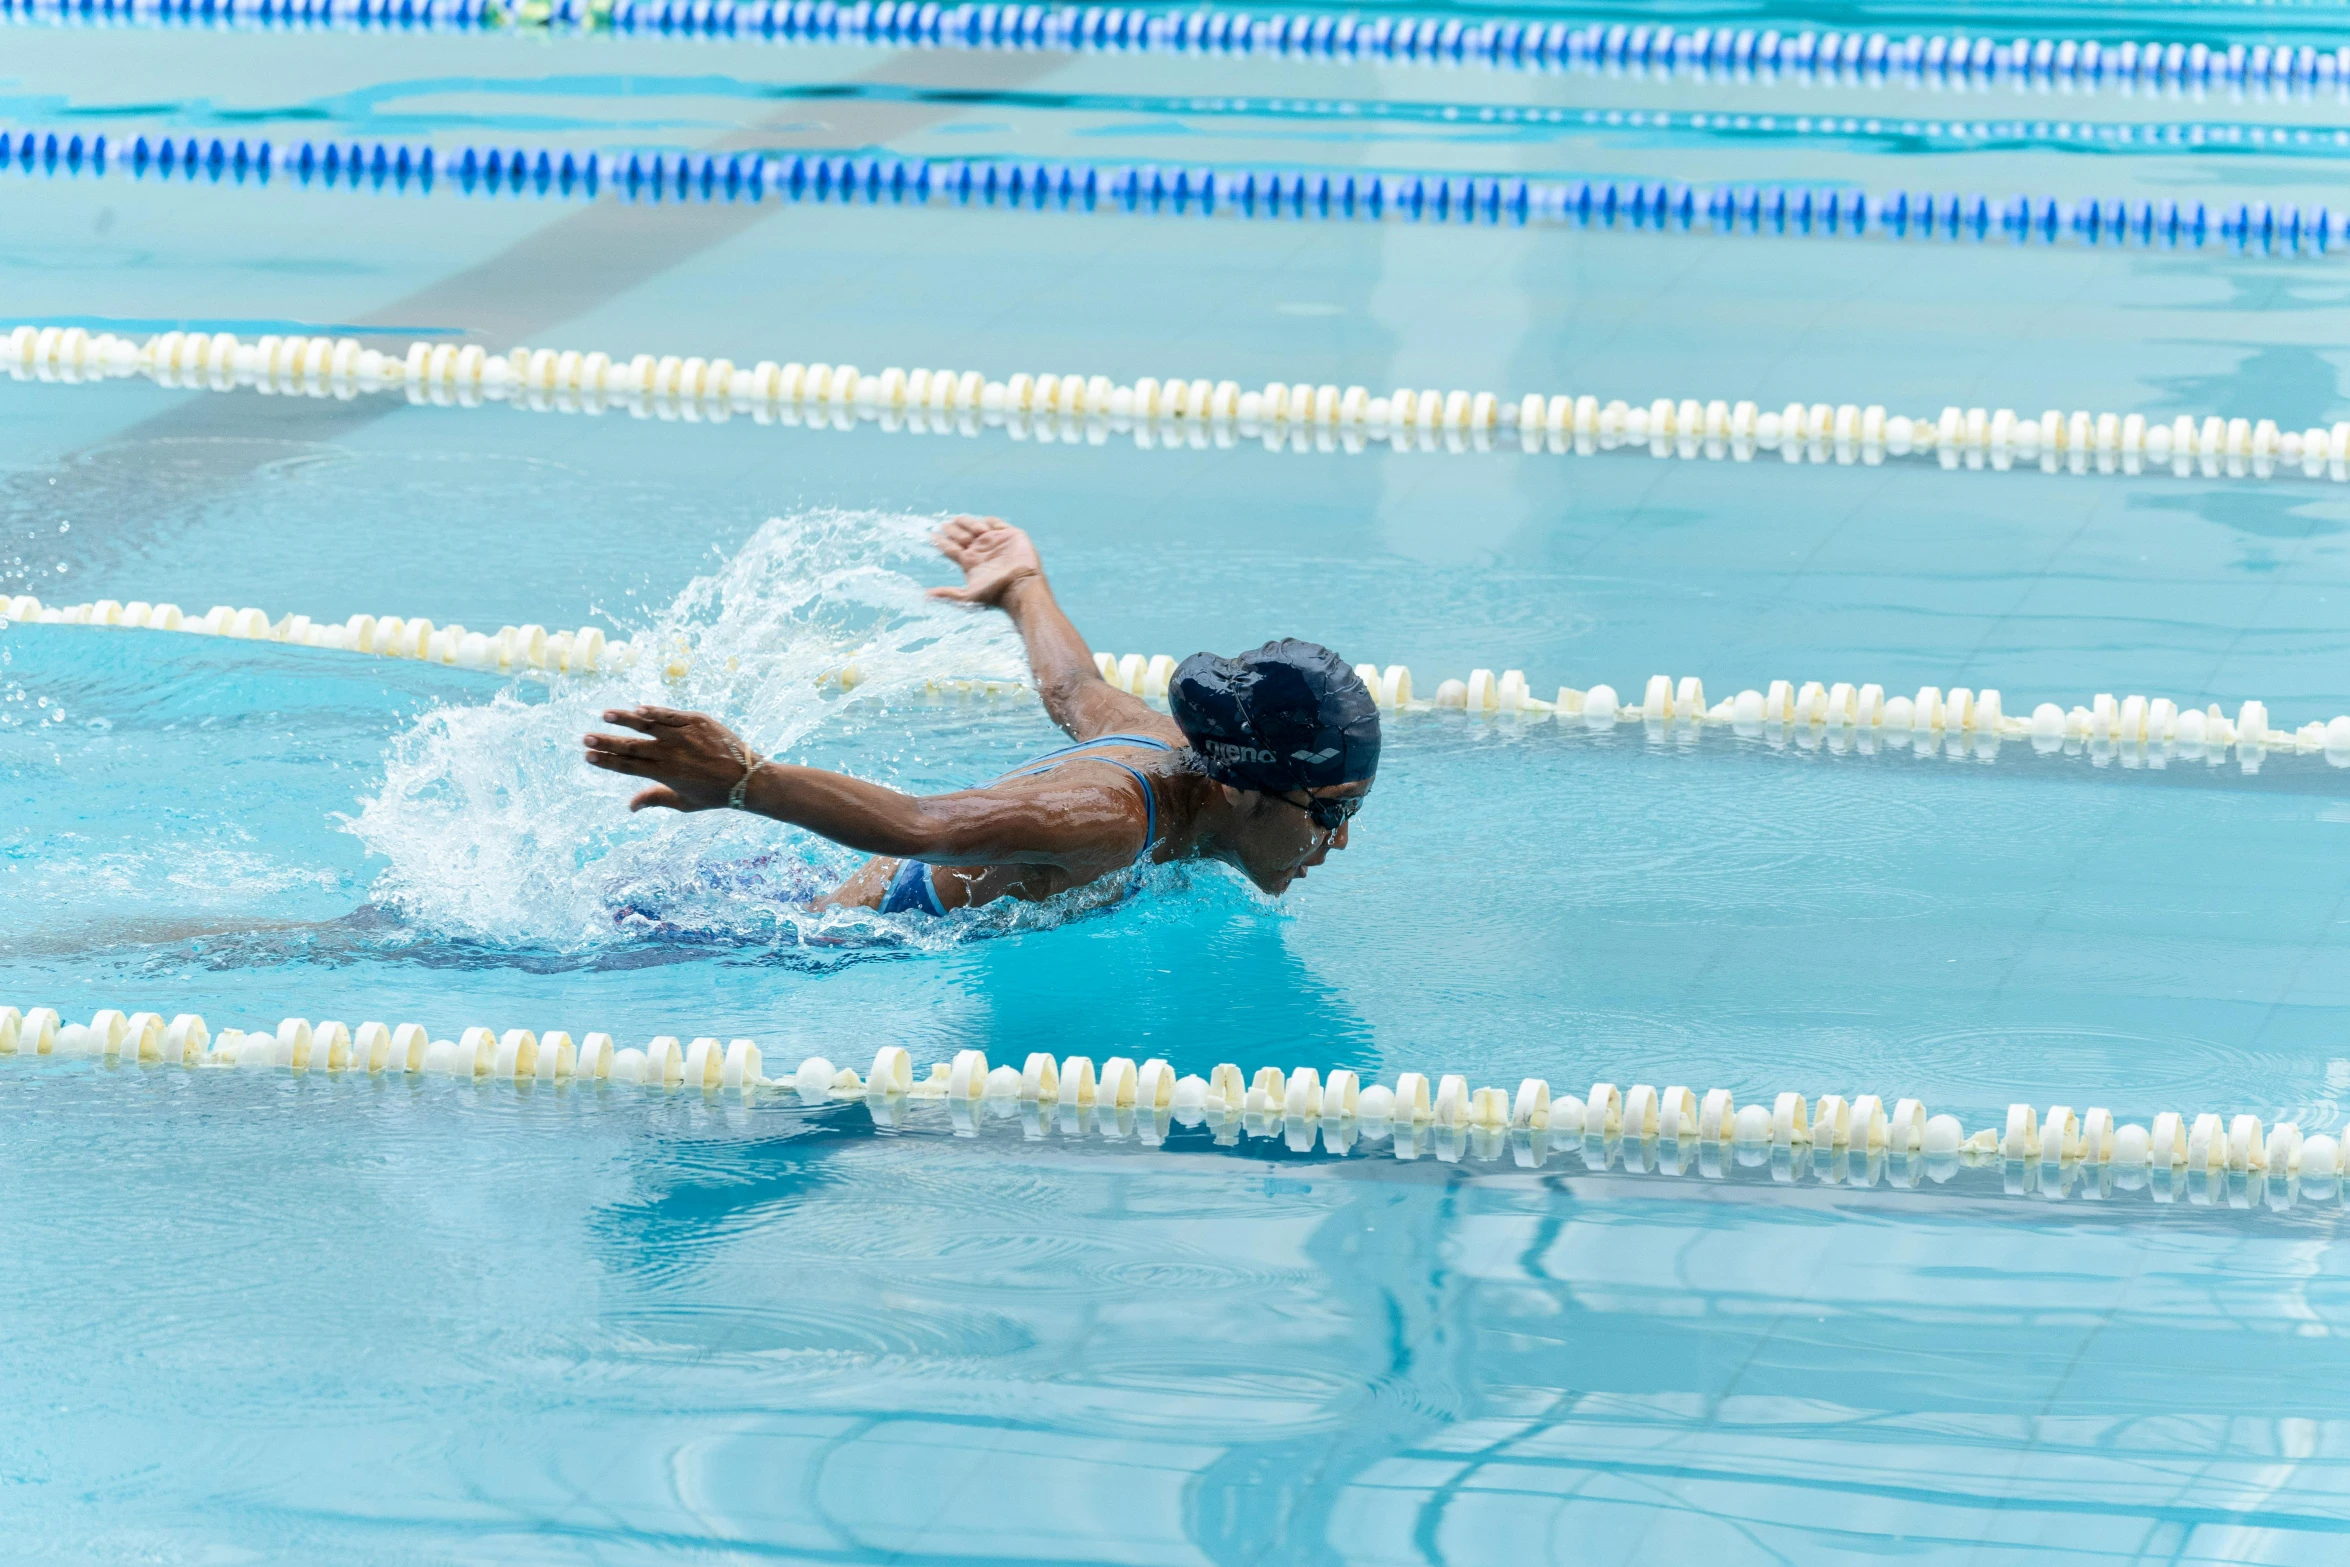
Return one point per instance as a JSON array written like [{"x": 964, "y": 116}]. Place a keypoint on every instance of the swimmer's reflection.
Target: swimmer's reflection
[{"x": 1252, "y": 999}]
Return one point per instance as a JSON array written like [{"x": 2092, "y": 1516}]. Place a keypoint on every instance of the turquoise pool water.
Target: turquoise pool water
[{"x": 293, "y": 1318}]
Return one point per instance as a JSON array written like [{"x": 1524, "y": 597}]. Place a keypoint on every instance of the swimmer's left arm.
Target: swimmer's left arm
[
  {"x": 695, "y": 762},
  {"x": 1001, "y": 568}
]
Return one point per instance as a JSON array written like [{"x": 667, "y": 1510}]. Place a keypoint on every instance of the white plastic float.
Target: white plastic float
[
  {"x": 585, "y": 651},
  {"x": 2235, "y": 1159},
  {"x": 1091, "y": 408},
  {"x": 2132, "y": 727}
]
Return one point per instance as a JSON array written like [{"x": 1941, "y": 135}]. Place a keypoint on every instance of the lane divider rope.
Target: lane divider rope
[
  {"x": 1331, "y": 195},
  {"x": 2134, "y": 728},
  {"x": 512, "y": 648},
  {"x": 1076, "y": 407},
  {"x": 1940, "y": 61},
  {"x": 2233, "y": 1159}
]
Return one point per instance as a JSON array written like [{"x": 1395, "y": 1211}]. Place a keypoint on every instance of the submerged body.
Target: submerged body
[{"x": 1285, "y": 750}]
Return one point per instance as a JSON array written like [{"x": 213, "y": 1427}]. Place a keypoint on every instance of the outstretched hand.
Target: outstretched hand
[
  {"x": 993, "y": 554},
  {"x": 694, "y": 759}
]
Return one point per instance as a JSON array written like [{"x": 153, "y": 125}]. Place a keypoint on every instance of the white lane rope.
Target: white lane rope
[
  {"x": 2134, "y": 728},
  {"x": 1075, "y": 407},
  {"x": 2212, "y": 1157},
  {"x": 513, "y": 648}
]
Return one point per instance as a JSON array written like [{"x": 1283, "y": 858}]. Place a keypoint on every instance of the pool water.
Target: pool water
[{"x": 276, "y": 1317}]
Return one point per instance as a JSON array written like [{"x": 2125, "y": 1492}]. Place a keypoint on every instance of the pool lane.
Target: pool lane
[{"x": 553, "y": 270}]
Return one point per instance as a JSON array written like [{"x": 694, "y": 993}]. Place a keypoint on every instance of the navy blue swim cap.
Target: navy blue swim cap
[{"x": 1286, "y": 716}]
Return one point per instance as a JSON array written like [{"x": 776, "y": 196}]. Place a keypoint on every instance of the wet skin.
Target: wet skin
[{"x": 1028, "y": 837}]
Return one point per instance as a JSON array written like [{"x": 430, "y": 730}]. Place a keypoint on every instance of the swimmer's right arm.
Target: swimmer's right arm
[
  {"x": 1000, "y": 567},
  {"x": 694, "y": 762}
]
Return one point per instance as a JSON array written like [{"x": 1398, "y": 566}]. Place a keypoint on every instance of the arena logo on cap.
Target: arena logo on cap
[
  {"x": 1314, "y": 758},
  {"x": 1226, "y": 751}
]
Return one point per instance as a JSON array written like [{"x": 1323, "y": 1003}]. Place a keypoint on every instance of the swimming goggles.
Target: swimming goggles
[{"x": 1325, "y": 812}]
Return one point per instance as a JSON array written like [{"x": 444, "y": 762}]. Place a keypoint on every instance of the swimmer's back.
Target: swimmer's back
[{"x": 914, "y": 887}]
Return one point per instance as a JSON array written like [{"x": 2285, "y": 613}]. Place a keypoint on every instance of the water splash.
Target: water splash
[{"x": 495, "y": 832}]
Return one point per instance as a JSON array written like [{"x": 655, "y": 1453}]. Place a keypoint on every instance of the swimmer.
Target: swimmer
[{"x": 1262, "y": 766}]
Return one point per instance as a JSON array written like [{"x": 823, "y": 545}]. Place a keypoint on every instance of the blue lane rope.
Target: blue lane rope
[
  {"x": 1901, "y": 133},
  {"x": 1331, "y": 195},
  {"x": 1520, "y": 44}
]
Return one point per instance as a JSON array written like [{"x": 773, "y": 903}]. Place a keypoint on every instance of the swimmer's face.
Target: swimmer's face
[{"x": 1278, "y": 841}]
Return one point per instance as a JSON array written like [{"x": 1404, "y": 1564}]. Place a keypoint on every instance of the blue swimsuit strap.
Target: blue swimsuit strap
[
  {"x": 1147, "y": 742},
  {"x": 1068, "y": 753}
]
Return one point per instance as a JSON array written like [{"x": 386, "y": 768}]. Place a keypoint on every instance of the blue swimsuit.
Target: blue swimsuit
[{"x": 911, "y": 890}]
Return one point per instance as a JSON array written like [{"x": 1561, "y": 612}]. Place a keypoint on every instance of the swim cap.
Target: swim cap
[{"x": 1286, "y": 716}]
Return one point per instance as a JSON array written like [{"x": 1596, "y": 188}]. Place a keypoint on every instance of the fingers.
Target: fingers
[
  {"x": 658, "y": 797},
  {"x": 629, "y": 718},
  {"x": 646, "y": 718},
  {"x": 620, "y": 762},
  {"x": 954, "y": 540},
  {"x": 958, "y": 595},
  {"x": 674, "y": 743},
  {"x": 958, "y": 536}
]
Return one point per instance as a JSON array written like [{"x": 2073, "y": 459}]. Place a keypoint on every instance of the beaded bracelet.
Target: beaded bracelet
[{"x": 752, "y": 762}]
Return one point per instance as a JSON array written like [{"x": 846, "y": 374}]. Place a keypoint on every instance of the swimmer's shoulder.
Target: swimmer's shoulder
[
  {"x": 1169, "y": 758},
  {"x": 1145, "y": 726}
]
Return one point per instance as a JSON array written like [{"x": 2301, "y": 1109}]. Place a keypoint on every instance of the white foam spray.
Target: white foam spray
[{"x": 494, "y": 829}]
